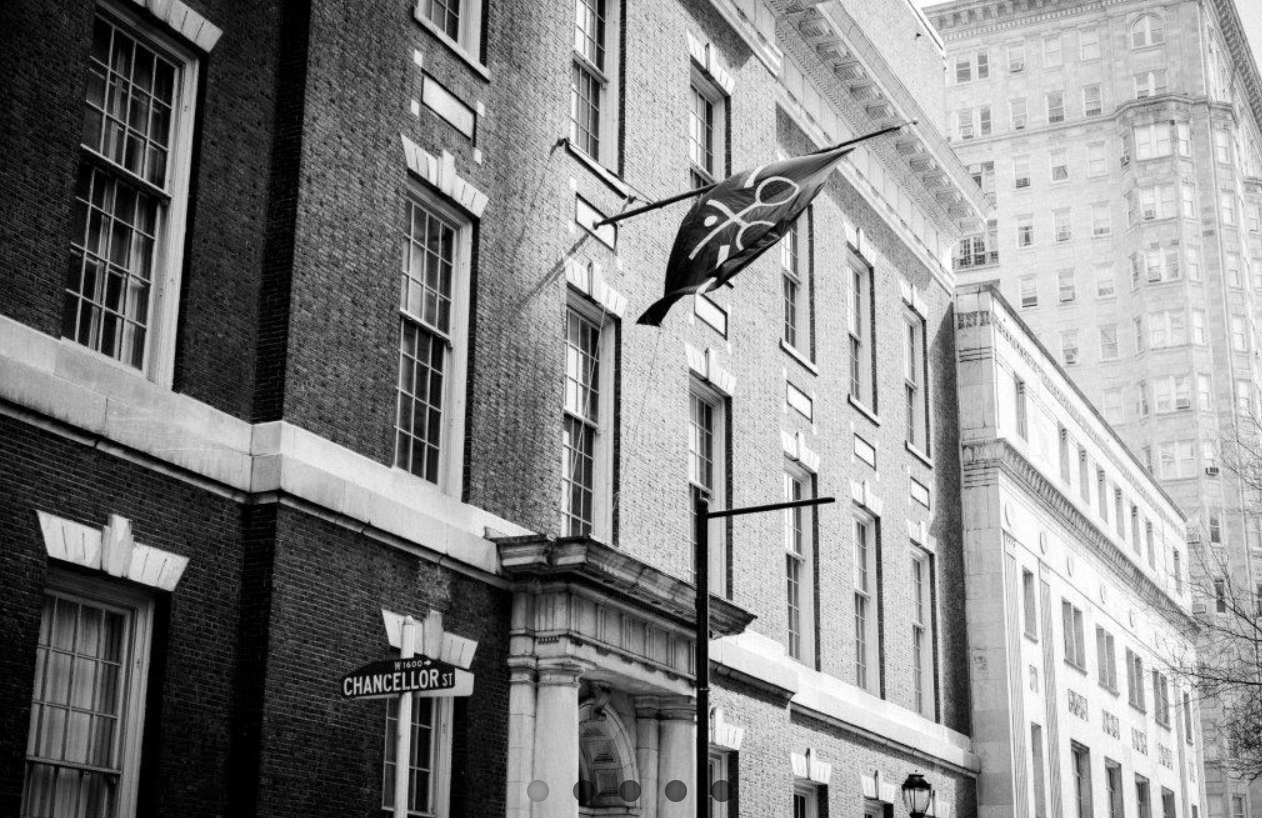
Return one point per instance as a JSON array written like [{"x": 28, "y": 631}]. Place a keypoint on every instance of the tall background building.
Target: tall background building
[{"x": 1120, "y": 143}]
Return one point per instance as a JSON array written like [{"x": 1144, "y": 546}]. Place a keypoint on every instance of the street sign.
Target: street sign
[{"x": 420, "y": 675}]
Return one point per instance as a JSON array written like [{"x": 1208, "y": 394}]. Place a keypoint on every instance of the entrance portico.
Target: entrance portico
[{"x": 602, "y": 704}]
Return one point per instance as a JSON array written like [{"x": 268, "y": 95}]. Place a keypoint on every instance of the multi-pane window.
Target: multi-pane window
[
  {"x": 707, "y": 466},
  {"x": 1106, "y": 658},
  {"x": 1143, "y": 798},
  {"x": 428, "y": 304},
  {"x": 1171, "y": 393},
  {"x": 1134, "y": 679},
  {"x": 1023, "y": 421},
  {"x": 798, "y": 547},
  {"x": 1069, "y": 346},
  {"x": 1101, "y": 219},
  {"x": 1105, "y": 281},
  {"x": 922, "y": 631},
  {"x": 1062, "y": 224},
  {"x": 1052, "y": 57},
  {"x": 1091, "y": 104},
  {"x": 130, "y": 199},
  {"x": 964, "y": 124},
  {"x": 805, "y": 801},
  {"x": 1075, "y": 643},
  {"x": 1152, "y": 140},
  {"x": 1058, "y": 164},
  {"x": 1016, "y": 58},
  {"x": 1082, "y": 779},
  {"x": 795, "y": 264},
  {"x": 1187, "y": 200},
  {"x": 459, "y": 21},
  {"x": 1018, "y": 113},
  {"x": 721, "y": 765},
  {"x": 1089, "y": 43},
  {"x": 707, "y": 119},
  {"x": 582, "y": 442},
  {"x": 867, "y": 650},
  {"x": 1239, "y": 333},
  {"x": 1150, "y": 83},
  {"x": 1227, "y": 208},
  {"x": 82, "y": 748},
  {"x": 1112, "y": 406},
  {"x": 1025, "y": 231},
  {"x": 917, "y": 397},
  {"x": 592, "y": 87},
  {"x": 858, "y": 317},
  {"x": 1176, "y": 459},
  {"x": 426, "y": 781},
  {"x": 1113, "y": 787},
  {"x": 1029, "y": 604},
  {"x": 1168, "y": 809},
  {"x": 1147, "y": 30},
  {"x": 1055, "y": 106},
  {"x": 1021, "y": 171},
  {"x": 1096, "y": 159},
  {"x": 1222, "y": 146},
  {"x": 1161, "y": 698}
]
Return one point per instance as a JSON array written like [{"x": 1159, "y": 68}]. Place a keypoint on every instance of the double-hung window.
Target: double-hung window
[
  {"x": 1113, "y": 788},
  {"x": 867, "y": 648},
  {"x": 1091, "y": 104},
  {"x": 1148, "y": 30},
  {"x": 1106, "y": 658},
  {"x": 707, "y": 469},
  {"x": 799, "y": 549},
  {"x": 707, "y": 128},
  {"x": 795, "y": 265},
  {"x": 586, "y": 462},
  {"x": 429, "y": 770},
  {"x": 1055, "y": 106},
  {"x": 859, "y": 318},
  {"x": 87, "y": 705},
  {"x": 914, "y": 372},
  {"x": 1075, "y": 644},
  {"x": 923, "y": 634},
  {"x": 131, "y": 196},
  {"x": 1082, "y": 779},
  {"x": 593, "y": 80},
  {"x": 1143, "y": 797},
  {"x": 1019, "y": 113},
  {"x": 456, "y": 22},
  {"x": 1150, "y": 83},
  {"x": 433, "y": 308},
  {"x": 1134, "y": 679}
]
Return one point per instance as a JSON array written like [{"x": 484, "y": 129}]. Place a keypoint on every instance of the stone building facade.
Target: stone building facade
[
  {"x": 1071, "y": 627},
  {"x": 1120, "y": 143},
  {"x": 307, "y": 326}
]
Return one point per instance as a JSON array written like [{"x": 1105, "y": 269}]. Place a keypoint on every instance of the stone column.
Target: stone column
[
  {"x": 521, "y": 734},
  {"x": 646, "y": 754},
  {"x": 556, "y": 736},
  {"x": 676, "y": 753}
]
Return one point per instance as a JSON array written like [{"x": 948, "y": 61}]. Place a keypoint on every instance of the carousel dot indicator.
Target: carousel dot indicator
[
  {"x": 676, "y": 790},
  {"x": 537, "y": 790},
  {"x": 630, "y": 791},
  {"x": 721, "y": 790},
  {"x": 584, "y": 791}
]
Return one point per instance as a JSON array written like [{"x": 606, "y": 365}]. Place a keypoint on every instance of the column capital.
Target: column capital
[
  {"x": 682, "y": 708},
  {"x": 521, "y": 669},
  {"x": 561, "y": 671}
]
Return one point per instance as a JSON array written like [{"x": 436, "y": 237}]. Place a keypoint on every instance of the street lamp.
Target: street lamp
[
  {"x": 701, "y": 556},
  {"x": 917, "y": 794}
]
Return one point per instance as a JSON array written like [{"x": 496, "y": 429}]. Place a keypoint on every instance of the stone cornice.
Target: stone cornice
[
  {"x": 1242, "y": 60},
  {"x": 1109, "y": 443},
  {"x": 614, "y": 573},
  {"x": 999, "y": 454},
  {"x": 972, "y": 18}
]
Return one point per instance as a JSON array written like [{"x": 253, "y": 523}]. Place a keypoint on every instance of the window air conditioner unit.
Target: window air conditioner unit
[
  {"x": 1023, "y": 182},
  {"x": 1211, "y": 471},
  {"x": 1062, "y": 235},
  {"x": 1071, "y": 357},
  {"x": 1198, "y": 607},
  {"x": 1126, "y": 159},
  {"x": 1183, "y": 403},
  {"x": 1149, "y": 215}
]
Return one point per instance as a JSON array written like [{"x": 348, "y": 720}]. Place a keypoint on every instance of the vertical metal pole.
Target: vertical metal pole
[
  {"x": 403, "y": 733},
  {"x": 702, "y": 514}
]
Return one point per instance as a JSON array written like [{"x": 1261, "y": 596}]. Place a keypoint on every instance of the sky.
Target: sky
[{"x": 1250, "y": 12}]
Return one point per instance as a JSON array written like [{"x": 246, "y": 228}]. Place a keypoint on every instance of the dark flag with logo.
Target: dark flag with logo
[{"x": 737, "y": 221}]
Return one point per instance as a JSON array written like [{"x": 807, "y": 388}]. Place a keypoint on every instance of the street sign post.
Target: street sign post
[{"x": 421, "y": 675}]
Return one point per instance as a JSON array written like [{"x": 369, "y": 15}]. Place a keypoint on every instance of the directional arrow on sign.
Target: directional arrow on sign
[{"x": 422, "y": 676}]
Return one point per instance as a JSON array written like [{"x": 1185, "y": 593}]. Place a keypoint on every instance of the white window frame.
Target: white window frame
[
  {"x": 796, "y": 269},
  {"x": 602, "y": 457},
  {"x": 1062, "y": 224},
  {"x": 139, "y": 608},
  {"x": 1016, "y": 57},
  {"x": 698, "y": 391},
  {"x": 924, "y": 635},
  {"x": 1102, "y": 219},
  {"x": 455, "y": 371},
  {"x": 158, "y": 355},
  {"x": 610, "y": 86},
  {"x": 1069, "y": 349},
  {"x": 720, "y": 762},
  {"x": 439, "y": 804},
  {"x": 1058, "y": 165},
  {"x": 705, "y": 88},
  {"x": 468, "y": 40},
  {"x": 1021, "y": 172},
  {"x": 810, "y": 795},
  {"x": 1049, "y": 51},
  {"x": 1151, "y": 83},
  {"x": 859, "y": 309},
  {"x": 1105, "y": 280},
  {"x": 1019, "y": 113},
  {"x": 1143, "y": 34},
  {"x": 1097, "y": 159},
  {"x": 1025, "y": 232},
  {"x": 1047, "y": 97},
  {"x": 1029, "y": 292},
  {"x": 1092, "y": 103},
  {"x": 1073, "y": 631},
  {"x": 799, "y": 546},
  {"x": 866, "y": 586},
  {"x": 916, "y": 381},
  {"x": 1109, "y": 347}
]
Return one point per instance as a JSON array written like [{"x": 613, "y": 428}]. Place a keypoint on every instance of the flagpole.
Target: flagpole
[{"x": 688, "y": 194}]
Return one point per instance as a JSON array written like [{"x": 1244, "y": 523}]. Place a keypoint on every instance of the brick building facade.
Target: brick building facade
[{"x": 340, "y": 342}]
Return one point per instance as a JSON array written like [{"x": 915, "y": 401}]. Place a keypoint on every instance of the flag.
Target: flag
[{"x": 737, "y": 221}]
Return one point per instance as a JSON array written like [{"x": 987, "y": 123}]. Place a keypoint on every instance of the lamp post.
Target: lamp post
[
  {"x": 917, "y": 795},
  {"x": 703, "y": 516}
]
